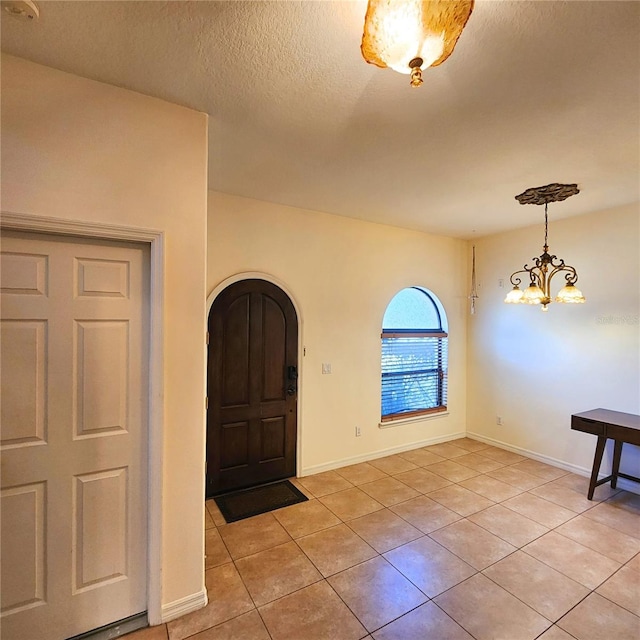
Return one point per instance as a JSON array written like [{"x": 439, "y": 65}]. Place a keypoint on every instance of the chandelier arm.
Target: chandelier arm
[
  {"x": 572, "y": 279},
  {"x": 536, "y": 273},
  {"x": 538, "y": 263},
  {"x": 533, "y": 277},
  {"x": 571, "y": 276},
  {"x": 539, "y": 278},
  {"x": 516, "y": 282},
  {"x": 535, "y": 266},
  {"x": 557, "y": 265}
]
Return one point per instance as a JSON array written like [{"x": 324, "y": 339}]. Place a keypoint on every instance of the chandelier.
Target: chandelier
[
  {"x": 411, "y": 35},
  {"x": 546, "y": 266}
]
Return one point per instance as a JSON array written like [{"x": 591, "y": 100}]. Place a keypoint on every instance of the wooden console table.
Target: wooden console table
[{"x": 620, "y": 427}]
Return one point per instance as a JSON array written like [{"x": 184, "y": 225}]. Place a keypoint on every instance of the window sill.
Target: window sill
[{"x": 402, "y": 421}]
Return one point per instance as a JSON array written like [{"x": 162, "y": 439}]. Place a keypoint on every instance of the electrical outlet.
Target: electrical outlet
[
  {"x": 358, "y": 432},
  {"x": 501, "y": 283},
  {"x": 326, "y": 367},
  {"x": 499, "y": 420}
]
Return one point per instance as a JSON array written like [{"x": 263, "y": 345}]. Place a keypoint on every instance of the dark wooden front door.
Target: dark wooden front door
[{"x": 252, "y": 387}]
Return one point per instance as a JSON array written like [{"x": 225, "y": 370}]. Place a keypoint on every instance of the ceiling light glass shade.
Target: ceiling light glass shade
[
  {"x": 570, "y": 293},
  {"x": 514, "y": 296},
  {"x": 533, "y": 295},
  {"x": 412, "y": 34}
]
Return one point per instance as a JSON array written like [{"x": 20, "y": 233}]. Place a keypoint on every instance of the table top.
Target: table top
[{"x": 627, "y": 420}]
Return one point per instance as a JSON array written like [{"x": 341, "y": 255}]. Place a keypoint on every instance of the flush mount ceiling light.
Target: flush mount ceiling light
[
  {"x": 22, "y": 9},
  {"x": 410, "y": 35},
  {"x": 546, "y": 266}
]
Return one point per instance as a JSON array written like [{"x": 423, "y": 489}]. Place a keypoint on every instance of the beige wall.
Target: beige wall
[
  {"x": 77, "y": 149},
  {"x": 342, "y": 273},
  {"x": 535, "y": 369}
]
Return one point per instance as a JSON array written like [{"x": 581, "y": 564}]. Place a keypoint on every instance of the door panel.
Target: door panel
[
  {"x": 273, "y": 362},
  {"x": 252, "y": 418},
  {"x": 23, "y": 406},
  {"x": 24, "y": 273},
  {"x": 74, "y": 414},
  {"x": 23, "y": 536},
  {"x": 99, "y": 552},
  {"x": 273, "y": 439},
  {"x": 234, "y": 445},
  {"x": 235, "y": 360},
  {"x": 101, "y": 380}
]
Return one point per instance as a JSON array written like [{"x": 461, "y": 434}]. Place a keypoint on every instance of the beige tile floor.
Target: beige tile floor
[{"x": 456, "y": 541}]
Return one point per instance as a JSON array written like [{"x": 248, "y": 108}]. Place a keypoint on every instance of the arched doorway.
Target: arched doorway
[{"x": 252, "y": 387}]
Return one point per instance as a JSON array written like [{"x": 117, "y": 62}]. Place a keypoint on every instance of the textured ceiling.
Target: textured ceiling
[{"x": 535, "y": 92}]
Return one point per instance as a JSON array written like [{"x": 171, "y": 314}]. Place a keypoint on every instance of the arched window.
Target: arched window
[{"x": 414, "y": 355}]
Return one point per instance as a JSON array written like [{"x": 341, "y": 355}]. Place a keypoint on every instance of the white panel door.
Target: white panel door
[{"x": 73, "y": 450}]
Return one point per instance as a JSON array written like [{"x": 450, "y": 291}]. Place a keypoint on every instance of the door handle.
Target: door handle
[{"x": 292, "y": 377}]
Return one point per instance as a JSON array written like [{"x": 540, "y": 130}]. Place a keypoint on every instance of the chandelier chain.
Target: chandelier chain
[{"x": 546, "y": 227}]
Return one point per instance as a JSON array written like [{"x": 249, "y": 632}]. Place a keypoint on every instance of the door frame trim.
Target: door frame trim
[
  {"x": 259, "y": 275},
  {"x": 155, "y": 239}
]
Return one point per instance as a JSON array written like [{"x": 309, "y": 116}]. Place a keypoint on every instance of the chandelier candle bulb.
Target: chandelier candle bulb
[{"x": 546, "y": 266}]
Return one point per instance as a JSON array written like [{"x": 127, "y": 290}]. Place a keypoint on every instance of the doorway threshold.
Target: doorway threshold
[{"x": 116, "y": 629}]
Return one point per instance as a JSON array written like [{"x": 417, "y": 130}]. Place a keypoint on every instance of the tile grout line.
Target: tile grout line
[
  {"x": 609, "y": 578},
  {"x": 255, "y": 607},
  {"x": 480, "y": 474}
]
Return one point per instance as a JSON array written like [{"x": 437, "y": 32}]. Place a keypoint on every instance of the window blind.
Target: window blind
[{"x": 414, "y": 376}]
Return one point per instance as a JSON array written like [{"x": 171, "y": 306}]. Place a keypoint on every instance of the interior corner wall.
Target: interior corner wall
[
  {"x": 535, "y": 369},
  {"x": 342, "y": 273},
  {"x": 81, "y": 150}
]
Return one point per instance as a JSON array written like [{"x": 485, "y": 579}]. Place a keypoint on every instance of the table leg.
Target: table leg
[
  {"x": 602, "y": 441},
  {"x": 617, "y": 452}
]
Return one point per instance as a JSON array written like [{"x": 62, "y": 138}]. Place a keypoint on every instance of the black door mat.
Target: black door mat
[{"x": 239, "y": 505}]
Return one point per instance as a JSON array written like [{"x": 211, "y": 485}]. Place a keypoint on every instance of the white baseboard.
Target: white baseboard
[
  {"x": 627, "y": 485},
  {"x": 554, "y": 462},
  {"x": 185, "y": 605},
  {"x": 374, "y": 455}
]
